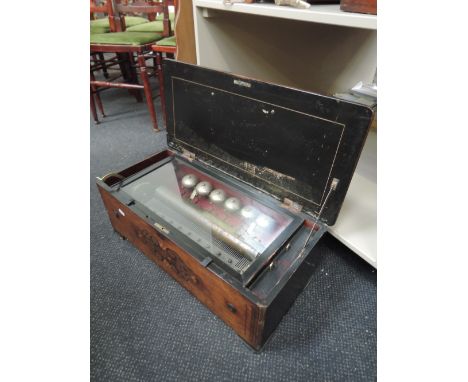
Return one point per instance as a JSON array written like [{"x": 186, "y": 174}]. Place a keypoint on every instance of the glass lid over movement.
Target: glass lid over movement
[{"x": 234, "y": 227}]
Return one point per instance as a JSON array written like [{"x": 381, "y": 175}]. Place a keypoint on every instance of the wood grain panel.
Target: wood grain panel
[
  {"x": 185, "y": 33},
  {"x": 237, "y": 311}
]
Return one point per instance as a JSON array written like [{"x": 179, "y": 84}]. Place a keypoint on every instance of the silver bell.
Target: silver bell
[
  {"x": 232, "y": 204},
  {"x": 203, "y": 188},
  {"x": 189, "y": 181},
  {"x": 218, "y": 196},
  {"x": 248, "y": 212}
]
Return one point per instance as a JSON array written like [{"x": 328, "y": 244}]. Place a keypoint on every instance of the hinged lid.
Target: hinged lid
[{"x": 287, "y": 142}]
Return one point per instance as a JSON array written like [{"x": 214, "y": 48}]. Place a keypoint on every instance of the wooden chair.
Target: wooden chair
[
  {"x": 102, "y": 24},
  {"x": 167, "y": 46},
  {"x": 127, "y": 44},
  {"x": 97, "y": 59}
]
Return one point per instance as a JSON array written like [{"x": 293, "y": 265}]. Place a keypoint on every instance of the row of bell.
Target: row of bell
[{"x": 217, "y": 196}]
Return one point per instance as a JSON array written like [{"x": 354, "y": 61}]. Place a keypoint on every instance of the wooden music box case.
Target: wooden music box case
[{"x": 233, "y": 209}]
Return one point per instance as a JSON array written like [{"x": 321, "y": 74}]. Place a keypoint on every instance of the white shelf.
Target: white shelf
[
  {"x": 324, "y": 14},
  {"x": 332, "y": 51},
  {"x": 356, "y": 226}
]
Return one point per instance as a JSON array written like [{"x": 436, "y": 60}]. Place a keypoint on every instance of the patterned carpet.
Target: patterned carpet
[{"x": 145, "y": 327}]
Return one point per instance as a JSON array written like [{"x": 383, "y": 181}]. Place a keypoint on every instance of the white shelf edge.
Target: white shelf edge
[
  {"x": 324, "y": 14},
  {"x": 356, "y": 226}
]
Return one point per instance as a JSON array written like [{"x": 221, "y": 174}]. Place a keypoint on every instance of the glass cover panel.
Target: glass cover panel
[{"x": 229, "y": 224}]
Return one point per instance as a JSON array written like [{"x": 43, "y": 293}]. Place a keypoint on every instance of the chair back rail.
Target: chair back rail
[
  {"x": 105, "y": 7},
  {"x": 99, "y": 6},
  {"x": 149, "y": 8}
]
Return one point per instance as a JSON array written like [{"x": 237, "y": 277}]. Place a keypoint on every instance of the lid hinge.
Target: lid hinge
[
  {"x": 291, "y": 206},
  {"x": 188, "y": 154}
]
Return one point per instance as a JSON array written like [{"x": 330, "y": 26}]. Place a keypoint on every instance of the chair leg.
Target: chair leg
[
  {"x": 161, "y": 85},
  {"x": 93, "y": 107},
  {"x": 133, "y": 63},
  {"x": 98, "y": 97},
  {"x": 129, "y": 73},
  {"x": 103, "y": 65},
  {"x": 95, "y": 58},
  {"x": 133, "y": 76},
  {"x": 99, "y": 104},
  {"x": 122, "y": 59},
  {"x": 155, "y": 60},
  {"x": 147, "y": 88}
]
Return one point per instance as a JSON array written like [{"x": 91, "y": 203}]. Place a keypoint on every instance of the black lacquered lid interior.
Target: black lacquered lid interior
[{"x": 286, "y": 142}]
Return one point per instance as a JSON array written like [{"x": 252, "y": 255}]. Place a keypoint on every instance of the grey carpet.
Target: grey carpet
[{"x": 145, "y": 327}]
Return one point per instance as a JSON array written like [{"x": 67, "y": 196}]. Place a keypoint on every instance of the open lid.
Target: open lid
[{"x": 287, "y": 142}]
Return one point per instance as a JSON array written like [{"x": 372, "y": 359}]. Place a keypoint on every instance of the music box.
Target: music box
[{"x": 232, "y": 210}]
